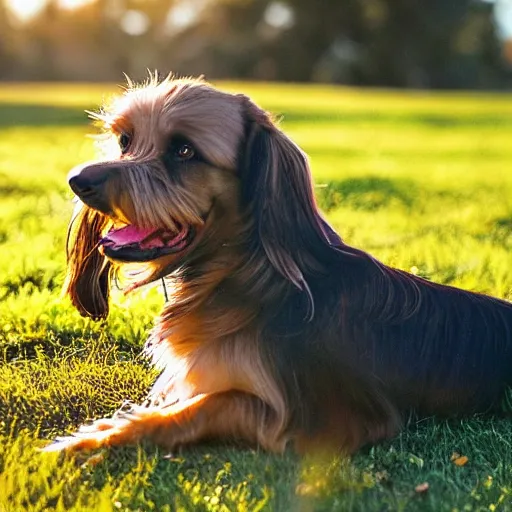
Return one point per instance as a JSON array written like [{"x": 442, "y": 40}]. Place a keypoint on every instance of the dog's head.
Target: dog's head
[{"x": 195, "y": 168}]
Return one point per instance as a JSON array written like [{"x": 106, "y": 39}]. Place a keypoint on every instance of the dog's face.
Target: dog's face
[
  {"x": 191, "y": 163},
  {"x": 175, "y": 170}
]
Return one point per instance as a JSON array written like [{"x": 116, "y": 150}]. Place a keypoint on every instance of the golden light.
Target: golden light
[
  {"x": 73, "y": 4},
  {"x": 26, "y": 9}
]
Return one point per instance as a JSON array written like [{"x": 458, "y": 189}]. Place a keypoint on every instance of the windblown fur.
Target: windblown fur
[{"x": 277, "y": 332}]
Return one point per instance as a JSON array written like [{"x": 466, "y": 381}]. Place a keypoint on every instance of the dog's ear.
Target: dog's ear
[
  {"x": 88, "y": 272},
  {"x": 277, "y": 191}
]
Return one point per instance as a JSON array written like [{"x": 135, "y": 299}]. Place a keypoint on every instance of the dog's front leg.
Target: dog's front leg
[{"x": 226, "y": 415}]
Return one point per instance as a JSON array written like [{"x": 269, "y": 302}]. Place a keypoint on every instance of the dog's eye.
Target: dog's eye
[
  {"x": 185, "y": 151},
  {"x": 124, "y": 141}
]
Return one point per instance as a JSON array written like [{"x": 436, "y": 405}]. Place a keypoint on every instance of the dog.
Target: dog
[{"x": 276, "y": 332}]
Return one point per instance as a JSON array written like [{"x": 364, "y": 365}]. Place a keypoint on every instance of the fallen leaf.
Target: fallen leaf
[
  {"x": 423, "y": 487},
  {"x": 461, "y": 461}
]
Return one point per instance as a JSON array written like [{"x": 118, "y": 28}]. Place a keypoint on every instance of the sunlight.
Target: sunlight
[
  {"x": 27, "y": 9},
  {"x": 73, "y": 4},
  {"x": 503, "y": 18}
]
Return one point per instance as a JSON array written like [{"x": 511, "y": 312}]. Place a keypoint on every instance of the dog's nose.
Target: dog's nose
[
  {"x": 87, "y": 182},
  {"x": 84, "y": 186}
]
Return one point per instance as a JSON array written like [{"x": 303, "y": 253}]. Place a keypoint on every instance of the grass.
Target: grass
[{"x": 420, "y": 180}]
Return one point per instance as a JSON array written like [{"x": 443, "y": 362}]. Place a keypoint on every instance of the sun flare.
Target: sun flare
[{"x": 27, "y": 9}]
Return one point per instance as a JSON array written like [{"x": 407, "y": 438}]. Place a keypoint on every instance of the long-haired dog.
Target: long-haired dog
[{"x": 276, "y": 331}]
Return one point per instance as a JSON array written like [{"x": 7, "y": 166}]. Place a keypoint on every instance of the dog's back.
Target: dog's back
[{"x": 439, "y": 349}]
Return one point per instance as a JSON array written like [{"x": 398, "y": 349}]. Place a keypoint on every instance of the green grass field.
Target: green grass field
[{"x": 423, "y": 181}]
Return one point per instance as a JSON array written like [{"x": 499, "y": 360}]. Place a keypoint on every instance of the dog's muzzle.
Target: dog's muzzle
[{"x": 88, "y": 181}]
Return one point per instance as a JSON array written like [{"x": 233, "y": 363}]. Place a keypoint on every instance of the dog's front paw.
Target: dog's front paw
[
  {"x": 89, "y": 437},
  {"x": 72, "y": 443},
  {"x": 125, "y": 427}
]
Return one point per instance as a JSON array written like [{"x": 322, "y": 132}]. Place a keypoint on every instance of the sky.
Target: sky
[{"x": 503, "y": 17}]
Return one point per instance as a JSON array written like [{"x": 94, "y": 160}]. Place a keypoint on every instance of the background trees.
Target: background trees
[{"x": 398, "y": 43}]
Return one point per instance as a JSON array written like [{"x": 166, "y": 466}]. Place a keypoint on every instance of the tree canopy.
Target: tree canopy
[{"x": 395, "y": 43}]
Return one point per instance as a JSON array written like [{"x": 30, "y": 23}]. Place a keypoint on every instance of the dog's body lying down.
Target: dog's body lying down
[{"x": 276, "y": 331}]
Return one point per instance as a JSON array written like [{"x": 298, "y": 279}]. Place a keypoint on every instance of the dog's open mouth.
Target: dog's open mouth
[{"x": 130, "y": 243}]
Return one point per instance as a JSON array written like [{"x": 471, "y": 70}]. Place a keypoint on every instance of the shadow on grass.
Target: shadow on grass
[
  {"x": 34, "y": 280},
  {"x": 12, "y": 188},
  {"x": 21, "y": 114},
  {"x": 338, "y": 115},
  {"x": 40, "y": 340},
  {"x": 497, "y": 231},
  {"x": 368, "y": 193},
  {"x": 9, "y": 189}
]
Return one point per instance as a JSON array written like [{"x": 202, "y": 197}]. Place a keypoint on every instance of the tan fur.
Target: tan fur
[
  {"x": 206, "y": 347},
  {"x": 175, "y": 106},
  {"x": 220, "y": 354},
  {"x": 87, "y": 277},
  {"x": 229, "y": 415}
]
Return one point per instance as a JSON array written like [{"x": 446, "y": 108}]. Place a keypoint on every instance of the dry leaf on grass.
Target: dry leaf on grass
[
  {"x": 458, "y": 459},
  {"x": 423, "y": 487}
]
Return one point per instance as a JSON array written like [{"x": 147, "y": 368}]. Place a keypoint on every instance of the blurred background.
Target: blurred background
[{"x": 449, "y": 44}]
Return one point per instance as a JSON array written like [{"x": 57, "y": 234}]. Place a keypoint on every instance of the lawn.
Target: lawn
[{"x": 423, "y": 181}]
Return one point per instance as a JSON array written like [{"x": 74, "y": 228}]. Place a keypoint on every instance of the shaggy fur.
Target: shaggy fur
[{"x": 276, "y": 331}]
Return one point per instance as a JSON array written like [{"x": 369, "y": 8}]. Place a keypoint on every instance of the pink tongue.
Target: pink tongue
[
  {"x": 144, "y": 238},
  {"x": 128, "y": 235}
]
